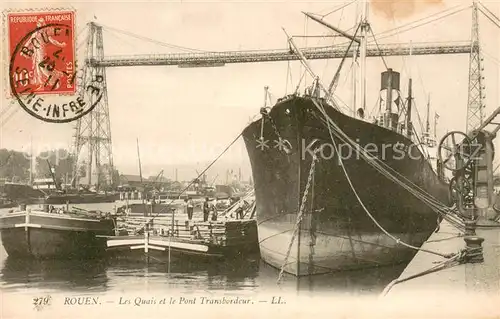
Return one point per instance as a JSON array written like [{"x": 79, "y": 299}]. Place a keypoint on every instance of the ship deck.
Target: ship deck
[{"x": 466, "y": 279}]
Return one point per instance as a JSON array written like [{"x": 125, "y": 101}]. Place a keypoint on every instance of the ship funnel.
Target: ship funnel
[{"x": 390, "y": 97}]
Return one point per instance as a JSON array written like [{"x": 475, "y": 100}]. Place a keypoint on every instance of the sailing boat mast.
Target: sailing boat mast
[
  {"x": 142, "y": 185},
  {"x": 31, "y": 160},
  {"x": 139, "y": 159},
  {"x": 436, "y": 117}
]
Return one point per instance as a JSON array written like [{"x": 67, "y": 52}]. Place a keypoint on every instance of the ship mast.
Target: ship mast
[
  {"x": 362, "y": 54},
  {"x": 427, "y": 124},
  {"x": 317, "y": 85},
  {"x": 355, "y": 68},
  {"x": 409, "y": 125},
  {"x": 358, "y": 42},
  {"x": 408, "y": 111}
]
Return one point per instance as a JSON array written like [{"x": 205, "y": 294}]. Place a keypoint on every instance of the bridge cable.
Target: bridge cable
[
  {"x": 490, "y": 56},
  {"x": 413, "y": 24},
  {"x": 409, "y": 24},
  {"x": 397, "y": 31},
  {"x": 489, "y": 11},
  {"x": 341, "y": 7},
  {"x": 172, "y": 46},
  {"x": 7, "y": 108},
  {"x": 489, "y": 18},
  {"x": 379, "y": 50}
]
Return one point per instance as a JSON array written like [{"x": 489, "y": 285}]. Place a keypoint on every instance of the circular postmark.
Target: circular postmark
[{"x": 41, "y": 69}]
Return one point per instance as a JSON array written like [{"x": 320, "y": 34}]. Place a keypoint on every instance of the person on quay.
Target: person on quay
[
  {"x": 190, "y": 208},
  {"x": 206, "y": 209},
  {"x": 239, "y": 210},
  {"x": 214, "y": 210}
]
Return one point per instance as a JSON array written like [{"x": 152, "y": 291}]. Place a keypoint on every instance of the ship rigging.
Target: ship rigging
[
  {"x": 98, "y": 137},
  {"x": 94, "y": 130},
  {"x": 324, "y": 248}
]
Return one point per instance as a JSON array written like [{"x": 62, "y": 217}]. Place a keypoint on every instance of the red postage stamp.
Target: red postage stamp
[{"x": 44, "y": 43}]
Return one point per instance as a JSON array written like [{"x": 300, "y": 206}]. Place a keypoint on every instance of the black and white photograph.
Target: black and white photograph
[{"x": 291, "y": 159}]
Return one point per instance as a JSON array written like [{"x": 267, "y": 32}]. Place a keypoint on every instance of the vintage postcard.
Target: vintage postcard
[{"x": 246, "y": 158}]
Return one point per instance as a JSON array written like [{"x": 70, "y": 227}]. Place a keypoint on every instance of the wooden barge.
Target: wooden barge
[
  {"x": 55, "y": 234},
  {"x": 166, "y": 237}
]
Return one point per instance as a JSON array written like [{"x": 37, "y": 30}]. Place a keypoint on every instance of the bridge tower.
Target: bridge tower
[
  {"x": 475, "y": 105},
  {"x": 93, "y": 131}
]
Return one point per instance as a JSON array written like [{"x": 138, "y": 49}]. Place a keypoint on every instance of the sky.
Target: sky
[{"x": 189, "y": 115}]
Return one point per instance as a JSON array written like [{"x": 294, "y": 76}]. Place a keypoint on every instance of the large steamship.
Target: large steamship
[{"x": 335, "y": 231}]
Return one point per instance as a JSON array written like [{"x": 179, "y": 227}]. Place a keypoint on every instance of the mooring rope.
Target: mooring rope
[
  {"x": 379, "y": 166},
  {"x": 382, "y": 167},
  {"x": 442, "y": 265},
  {"x": 465, "y": 255},
  {"x": 397, "y": 240}
]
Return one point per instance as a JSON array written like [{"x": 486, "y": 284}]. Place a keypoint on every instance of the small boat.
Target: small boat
[
  {"x": 167, "y": 235},
  {"x": 55, "y": 233},
  {"x": 200, "y": 240},
  {"x": 153, "y": 231}
]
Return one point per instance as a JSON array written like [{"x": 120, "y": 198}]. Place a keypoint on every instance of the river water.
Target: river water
[{"x": 246, "y": 276}]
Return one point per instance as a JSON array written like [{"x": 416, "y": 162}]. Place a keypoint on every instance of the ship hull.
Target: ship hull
[
  {"x": 80, "y": 199},
  {"x": 336, "y": 232},
  {"x": 44, "y": 235}
]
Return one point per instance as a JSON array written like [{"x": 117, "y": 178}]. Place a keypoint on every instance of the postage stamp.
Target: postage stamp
[
  {"x": 43, "y": 70},
  {"x": 46, "y": 60}
]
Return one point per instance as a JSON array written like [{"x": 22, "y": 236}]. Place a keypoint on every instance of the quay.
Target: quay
[{"x": 479, "y": 278}]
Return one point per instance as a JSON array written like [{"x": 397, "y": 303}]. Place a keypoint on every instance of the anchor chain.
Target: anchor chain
[
  {"x": 265, "y": 114},
  {"x": 300, "y": 214}
]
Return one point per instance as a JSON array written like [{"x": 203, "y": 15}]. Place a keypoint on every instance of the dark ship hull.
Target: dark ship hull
[
  {"x": 7, "y": 204},
  {"x": 15, "y": 194},
  {"x": 59, "y": 199},
  {"x": 42, "y": 235},
  {"x": 336, "y": 232}
]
